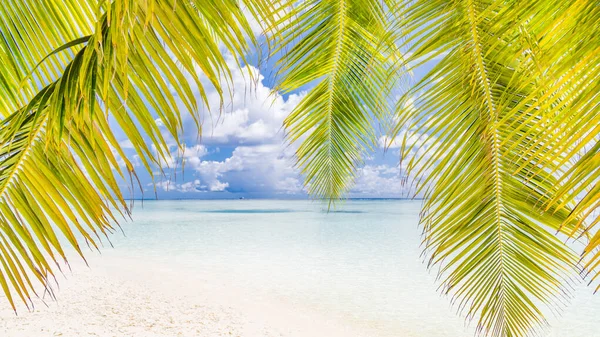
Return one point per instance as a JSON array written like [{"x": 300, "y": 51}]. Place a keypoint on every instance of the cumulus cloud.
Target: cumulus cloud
[
  {"x": 253, "y": 115},
  {"x": 248, "y": 112},
  {"x": 250, "y": 123},
  {"x": 256, "y": 159},
  {"x": 405, "y": 179},
  {"x": 266, "y": 167},
  {"x": 380, "y": 181}
]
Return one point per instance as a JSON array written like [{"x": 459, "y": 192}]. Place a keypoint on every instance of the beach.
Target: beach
[
  {"x": 123, "y": 298},
  {"x": 263, "y": 268}
]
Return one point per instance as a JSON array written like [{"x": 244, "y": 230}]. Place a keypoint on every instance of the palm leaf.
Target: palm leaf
[
  {"x": 59, "y": 172},
  {"x": 483, "y": 227},
  {"x": 344, "y": 52},
  {"x": 569, "y": 97},
  {"x": 42, "y": 196}
]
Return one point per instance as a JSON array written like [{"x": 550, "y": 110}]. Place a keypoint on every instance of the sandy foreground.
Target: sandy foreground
[{"x": 127, "y": 297}]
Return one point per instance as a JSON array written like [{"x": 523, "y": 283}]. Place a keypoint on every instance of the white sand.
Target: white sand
[{"x": 128, "y": 297}]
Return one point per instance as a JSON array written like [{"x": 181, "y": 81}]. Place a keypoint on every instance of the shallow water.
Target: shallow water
[{"x": 359, "y": 263}]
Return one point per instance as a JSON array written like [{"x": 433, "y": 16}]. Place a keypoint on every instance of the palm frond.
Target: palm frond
[
  {"x": 342, "y": 48},
  {"x": 44, "y": 196},
  {"x": 496, "y": 250},
  {"x": 30, "y": 31},
  {"x": 569, "y": 87},
  {"x": 125, "y": 61}
]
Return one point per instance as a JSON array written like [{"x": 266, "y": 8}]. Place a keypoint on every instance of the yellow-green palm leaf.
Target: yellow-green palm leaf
[
  {"x": 568, "y": 95},
  {"x": 341, "y": 48},
  {"x": 69, "y": 67},
  {"x": 496, "y": 249}
]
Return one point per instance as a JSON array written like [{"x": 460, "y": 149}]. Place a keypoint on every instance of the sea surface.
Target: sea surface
[{"x": 360, "y": 263}]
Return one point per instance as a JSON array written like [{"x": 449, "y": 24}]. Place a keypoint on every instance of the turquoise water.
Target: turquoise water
[{"x": 360, "y": 263}]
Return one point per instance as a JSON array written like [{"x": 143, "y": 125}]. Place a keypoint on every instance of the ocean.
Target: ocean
[{"x": 360, "y": 263}]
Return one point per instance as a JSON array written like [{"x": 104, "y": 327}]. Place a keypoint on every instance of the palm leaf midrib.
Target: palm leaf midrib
[
  {"x": 492, "y": 138},
  {"x": 332, "y": 80}
]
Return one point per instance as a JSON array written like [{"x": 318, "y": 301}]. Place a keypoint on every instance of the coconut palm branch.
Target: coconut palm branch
[
  {"x": 69, "y": 68},
  {"x": 489, "y": 218},
  {"x": 343, "y": 50},
  {"x": 568, "y": 95}
]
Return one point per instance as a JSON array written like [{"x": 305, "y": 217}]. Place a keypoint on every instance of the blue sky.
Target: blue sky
[{"x": 243, "y": 152}]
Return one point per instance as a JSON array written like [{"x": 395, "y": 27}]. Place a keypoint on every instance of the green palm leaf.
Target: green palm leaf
[
  {"x": 483, "y": 227},
  {"x": 344, "y": 51},
  {"x": 42, "y": 196},
  {"x": 568, "y": 95},
  {"x": 59, "y": 171}
]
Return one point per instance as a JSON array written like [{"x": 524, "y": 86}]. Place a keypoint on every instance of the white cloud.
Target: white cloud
[
  {"x": 126, "y": 144},
  {"x": 380, "y": 181},
  {"x": 248, "y": 112},
  {"x": 189, "y": 187},
  {"x": 254, "y": 115},
  {"x": 251, "y": 122},
  {"x": 258, "y": 168},
  {"x": 251, "y": 125},
  {"x": 419, "y": 140},
  {"x": 418, "y": 146}
]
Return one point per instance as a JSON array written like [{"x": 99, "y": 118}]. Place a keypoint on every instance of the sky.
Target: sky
[{"x": 243, "y": 151}]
